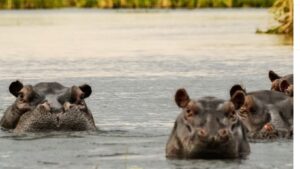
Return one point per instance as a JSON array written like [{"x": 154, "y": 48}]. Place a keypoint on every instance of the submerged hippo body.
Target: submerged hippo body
[
  {"x": 48, "y": 107},
  {"x": 207, "y": 128},
  {"x": 284, "y": 84},
  {"x": 266, "y": 114}
]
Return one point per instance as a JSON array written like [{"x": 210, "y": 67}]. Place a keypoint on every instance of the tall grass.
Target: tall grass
[
  {"x": 32, "y": 4},
  {"x": 283, "y": 11}
]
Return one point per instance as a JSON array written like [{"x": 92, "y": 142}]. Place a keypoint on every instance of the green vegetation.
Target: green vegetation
[
  {"x": 284, "y": 14},
  {"x": 283, "y": 11},
  {"x": 32, "y": 4}
]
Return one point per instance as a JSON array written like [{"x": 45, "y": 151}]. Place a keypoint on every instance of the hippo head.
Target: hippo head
[
  {"x": 281, "y": 84},
  {"x": 46, "y": 104},
  {"x": 253, "y": 113},
  {"x": 51, "y": 96},
  {"x": 207, "y": 128}
]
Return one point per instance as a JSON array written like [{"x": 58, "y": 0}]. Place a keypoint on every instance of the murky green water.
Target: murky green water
[{"x": 135, "y": 61}]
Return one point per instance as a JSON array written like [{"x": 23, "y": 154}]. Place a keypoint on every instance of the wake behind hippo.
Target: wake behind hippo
[
  {"x": 207, "y": 128},
  {"x": 48, "y": 106}
]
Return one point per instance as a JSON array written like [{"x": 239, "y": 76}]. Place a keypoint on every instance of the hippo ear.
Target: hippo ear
[
  {"x": 238, "y": 99},
  {"x": 290, "y": 91},
  {"x": 86, "y": 89},
  {"x": 236, "y": 88},
  {"x": 284, "y": 84},
  {"x": 273, "y": 76},
  {"x": 182, "y": 98},
  {"x": 15, "y": 87}
]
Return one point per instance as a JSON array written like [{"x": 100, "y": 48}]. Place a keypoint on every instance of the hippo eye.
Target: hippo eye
[
  {"x": 252, "y": 110},
  {"x": 82, "y": 96},
  {"x": 189, "y": 112},
  {"x": 226, "y": 114},
  {"x": 21, "y": 95}
]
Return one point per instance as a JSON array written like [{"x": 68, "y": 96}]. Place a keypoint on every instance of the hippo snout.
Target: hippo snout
[
  {"x": 49, "y": 106},
  {"x": 221, "y": 137}
]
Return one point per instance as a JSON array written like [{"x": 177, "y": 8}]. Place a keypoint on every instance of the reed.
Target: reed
[
  {"x": 283, "y": 11},
  {"x": 33, "y": 4}
]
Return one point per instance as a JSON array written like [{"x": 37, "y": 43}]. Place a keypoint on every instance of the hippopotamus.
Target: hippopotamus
[
  {"x": 266, "y": 114},
  {"x": 48, "y": 106},
  {"x": 282, "y": 83},
  {"x": 207, "y": 128}
]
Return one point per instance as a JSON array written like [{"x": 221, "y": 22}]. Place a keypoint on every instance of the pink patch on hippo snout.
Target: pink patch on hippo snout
[{"x": 268, "y": 127}]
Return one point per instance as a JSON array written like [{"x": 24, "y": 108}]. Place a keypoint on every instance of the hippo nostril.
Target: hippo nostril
[
  {"x": 45, "y": 105},
  {"x": 268, "y": 127},
  {"x": 202, "y": 133},
  {"x": 223, "y": 134}
]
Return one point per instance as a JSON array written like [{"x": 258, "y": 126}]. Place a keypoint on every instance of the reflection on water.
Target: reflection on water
[{"x": 135, "y": 61}]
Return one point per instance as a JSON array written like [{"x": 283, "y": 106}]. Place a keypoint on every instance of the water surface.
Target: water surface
[{"x": 135, "y": 61}]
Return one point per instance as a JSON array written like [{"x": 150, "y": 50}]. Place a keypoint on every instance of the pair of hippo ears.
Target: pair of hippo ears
[
  {"x": 16, "y": 86},
  {"x": 237, "y": 94}
]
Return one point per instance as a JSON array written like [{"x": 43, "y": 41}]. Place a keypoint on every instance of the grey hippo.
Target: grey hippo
[
  {"x": 48, "y": 106},
  {"x": 208, "y": 128},
  {"x": 267, "y": 114}
]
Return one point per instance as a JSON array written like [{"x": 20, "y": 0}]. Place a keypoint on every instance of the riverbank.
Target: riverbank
[{"x": 46, "y": 4}]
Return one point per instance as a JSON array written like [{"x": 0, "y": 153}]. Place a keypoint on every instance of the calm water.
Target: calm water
[{"x": 135, "y": 61}]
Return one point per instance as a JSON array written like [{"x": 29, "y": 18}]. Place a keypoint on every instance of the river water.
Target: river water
[{"x": 135, "y": 60}]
